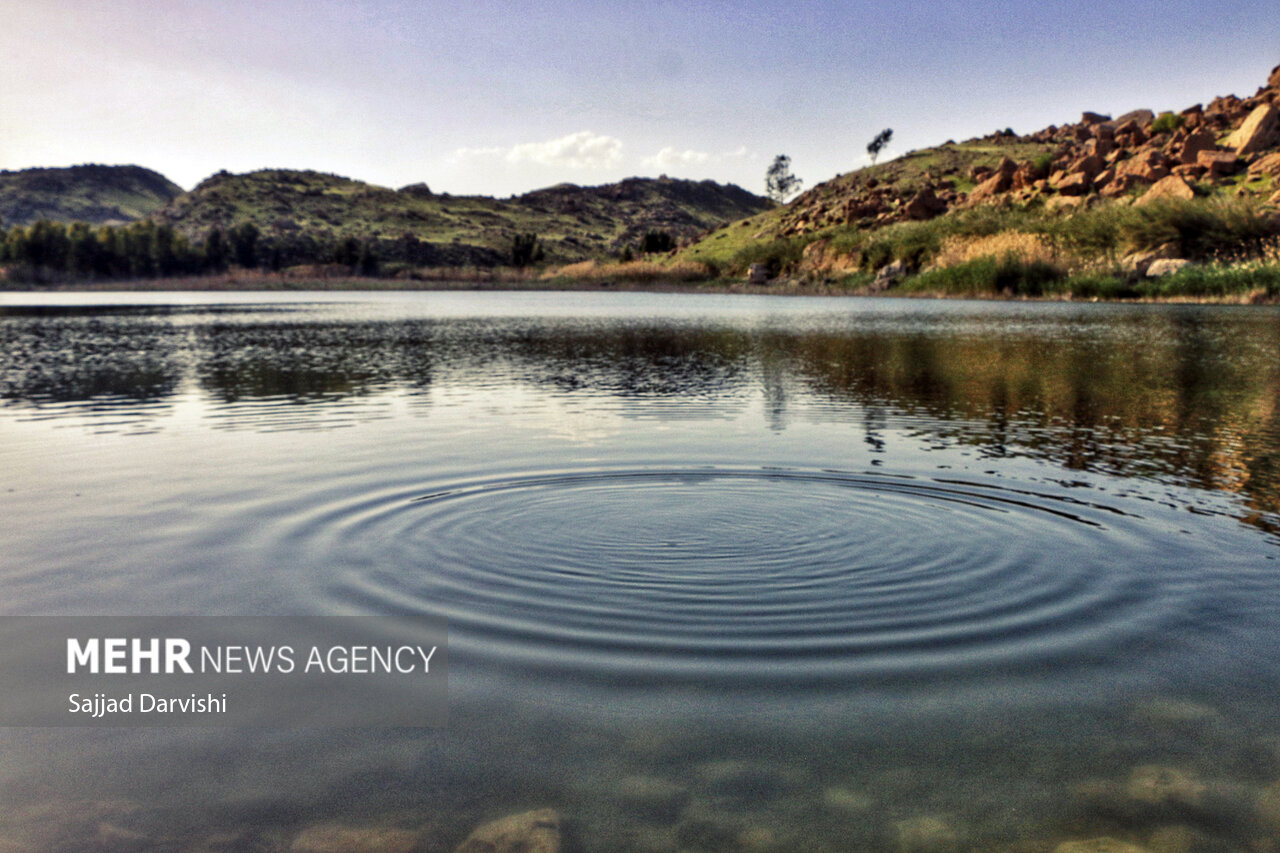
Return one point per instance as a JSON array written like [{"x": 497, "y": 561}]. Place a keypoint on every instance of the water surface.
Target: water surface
[{"x": 721, "y": 572}]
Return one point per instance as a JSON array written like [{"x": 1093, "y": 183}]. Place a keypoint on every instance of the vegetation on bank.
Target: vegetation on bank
[{"x": 1023, "y": 250}]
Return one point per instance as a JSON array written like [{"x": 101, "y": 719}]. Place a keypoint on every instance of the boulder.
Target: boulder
[
  {"x": 1100, "y": 147},
  {"x": 1093, "y": 118},
  {"x": 1260, "y": 130},
  {"x": 998, "y": 183},
  {"x": 1273, "y": 82},
  {"x": 1162, "y": 267},
  {"x": 537, "y": 831},
  {"x": 1200, "y": 140},
  {"x": 1170, "y": 187},
  {"x": 1218, "y": 162},
  {"x": 758, "y": 274},
  {"x": 925, "y": 205},
  {"x": 1140, "y": 262},
  {"x": 1091, "y": 166},
  {"x": 889, "y": 275},
  {"x": 1117, "y": 186},
  {"x": 1141, "y": 118},
  {"x": 1268, "y": 165},
  {"x": 1077, "y": 183},
  {"x": 1145, "y": 165},
  {"x": 1028, "y": 173}
]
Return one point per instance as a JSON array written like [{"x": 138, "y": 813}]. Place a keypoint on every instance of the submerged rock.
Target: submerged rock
[
  {"x": 1157, "y": 784},
  {"x": 1099, "y": 845},
  {"x": 926, "y": 834},
  {"x": 743, "y": 781},
  {"x": 708, "y": 834},
  {"x": 536, "y": 831},
  {"x": 846, "y": 799},
  {"x": 1269, "y": 807},
  {"x": 330, "y": 838},
  {"x": 652, "y": 797}
]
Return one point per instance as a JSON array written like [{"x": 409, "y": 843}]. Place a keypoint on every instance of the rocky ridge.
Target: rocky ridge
[{"x": 1136, "y": 155}]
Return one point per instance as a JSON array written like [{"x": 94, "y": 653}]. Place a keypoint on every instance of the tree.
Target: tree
[
  {"x": 778, "y": 180},
  {"x": 656, "y": 241},
  {"x": 526, "y": 249},
  {"x": 216, "y": 250},
  {"x": 244, "y": 244},
  {"x": 875, "y": 146}
]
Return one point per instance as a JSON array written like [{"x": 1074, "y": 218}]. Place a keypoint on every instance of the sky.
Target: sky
[{"x": 500, "y": 97}]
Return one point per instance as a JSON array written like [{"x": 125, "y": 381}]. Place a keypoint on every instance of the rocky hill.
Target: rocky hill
[
  {"x": 90, "y": 193},
  {"x": 572, "y": 222},
  {"x": 1230, "y": 146}
]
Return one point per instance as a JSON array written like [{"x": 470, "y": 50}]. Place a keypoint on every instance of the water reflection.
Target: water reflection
[{"x": 1180, "y": 395}]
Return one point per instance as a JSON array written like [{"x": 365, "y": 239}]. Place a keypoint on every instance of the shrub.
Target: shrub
[
  {"x": 1218, "y": 280},
  {"x": 781, "y": 255},
  {"x": 1202, "y": 229},
  {"x": 1008, "y": 275},
  {"x": 1167, "y": 123}
]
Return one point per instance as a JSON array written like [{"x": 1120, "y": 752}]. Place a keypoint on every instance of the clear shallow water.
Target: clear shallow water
[{"x": 721, "y": 572}]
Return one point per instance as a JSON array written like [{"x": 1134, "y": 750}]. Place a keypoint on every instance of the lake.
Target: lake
[{"x": 720, "y": 572}]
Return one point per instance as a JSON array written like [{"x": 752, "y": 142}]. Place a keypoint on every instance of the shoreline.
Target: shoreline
[{"x": 787, "y": 287}]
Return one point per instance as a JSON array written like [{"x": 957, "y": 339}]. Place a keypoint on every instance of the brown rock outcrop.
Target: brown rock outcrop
[
  {"x": 1172, "y": 187},
  {"x": 994, "y": 185},
  {"x": 1076, "y": 183},
  {"x": 1201, "y": 140},
  {"x": 1139, "y": 117},
  {"x": 1218, "y": 162},
  {"x": 1268, "y": 165},
  {"x": 925, "y": 205},
  {"x": 1260, "y": 130},
  {"x": 1145, "y": 165},
  {"x": 1091, "y": 166}
]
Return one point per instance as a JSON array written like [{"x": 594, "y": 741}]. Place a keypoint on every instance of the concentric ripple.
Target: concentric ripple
[{"x": 758, "y": 575}]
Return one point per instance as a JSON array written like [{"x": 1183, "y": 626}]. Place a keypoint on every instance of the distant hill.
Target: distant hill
[
  {"x": 572, "y": 222},
  {"x": 90, "y": 193}
]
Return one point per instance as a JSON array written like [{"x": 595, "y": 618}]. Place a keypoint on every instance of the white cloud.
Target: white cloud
[
  {"x": 670, "y": 158},
  {"x": 581, "y": 150}
]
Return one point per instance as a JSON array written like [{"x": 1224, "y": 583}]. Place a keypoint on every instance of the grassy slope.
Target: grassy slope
[
  {"x": 91, "y": 193},
  {"x": 907, "y": 174}
]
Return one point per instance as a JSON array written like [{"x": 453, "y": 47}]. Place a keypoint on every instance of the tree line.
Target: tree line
[{"x": 46, "y": 250}]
